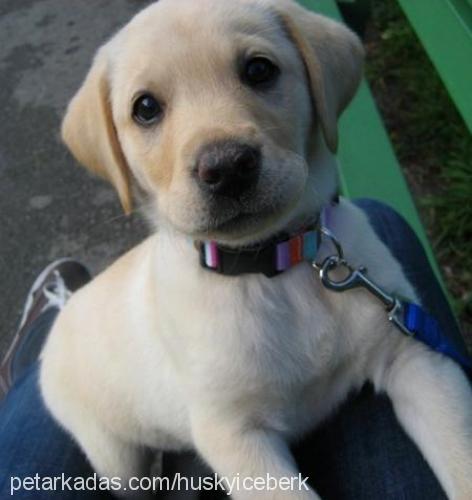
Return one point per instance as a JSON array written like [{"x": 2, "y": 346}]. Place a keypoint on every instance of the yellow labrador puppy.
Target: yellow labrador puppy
[{"x": 224, "y": 114}]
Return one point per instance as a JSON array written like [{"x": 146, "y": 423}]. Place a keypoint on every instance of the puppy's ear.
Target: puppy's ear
[
  {"x": 89, "y": 131},
  {"x": 333, "y": 57}
]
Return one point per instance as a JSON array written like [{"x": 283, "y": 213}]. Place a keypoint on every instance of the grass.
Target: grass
[{"x": 432, "y": 143}]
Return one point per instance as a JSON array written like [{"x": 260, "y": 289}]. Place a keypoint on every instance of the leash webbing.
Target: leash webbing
[{"x": 425, "y": 328}]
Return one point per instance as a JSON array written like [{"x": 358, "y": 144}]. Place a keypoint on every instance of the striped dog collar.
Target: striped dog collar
[{"x": 270, "y": 259}]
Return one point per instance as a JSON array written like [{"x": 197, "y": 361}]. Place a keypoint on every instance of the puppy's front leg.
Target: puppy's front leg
[
  {"x": 235, "y": 449},
  {"x": 432, "y": 399}
]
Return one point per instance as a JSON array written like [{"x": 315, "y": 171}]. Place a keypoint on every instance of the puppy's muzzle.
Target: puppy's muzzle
[{"x": 228, "y": 168}]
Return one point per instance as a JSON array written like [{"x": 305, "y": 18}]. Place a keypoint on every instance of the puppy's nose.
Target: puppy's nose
[{"x": 228, "y": 168}]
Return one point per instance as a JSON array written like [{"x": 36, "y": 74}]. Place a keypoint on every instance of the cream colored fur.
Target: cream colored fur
[{"x": 157, "y": 353}]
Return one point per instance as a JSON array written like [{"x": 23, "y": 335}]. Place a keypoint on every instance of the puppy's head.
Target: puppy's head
[{"x": 223, "y": 111}]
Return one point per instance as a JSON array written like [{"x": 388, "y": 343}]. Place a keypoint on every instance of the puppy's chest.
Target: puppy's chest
[{"x": 260, "y": 335}]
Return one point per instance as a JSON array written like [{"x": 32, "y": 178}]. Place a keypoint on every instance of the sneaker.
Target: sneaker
[{"x": 48, "y": 295}]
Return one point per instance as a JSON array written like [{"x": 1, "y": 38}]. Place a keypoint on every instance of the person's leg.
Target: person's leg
[
  {"x": 32, "y": 445},
  {"x": 363, "y": 453}
]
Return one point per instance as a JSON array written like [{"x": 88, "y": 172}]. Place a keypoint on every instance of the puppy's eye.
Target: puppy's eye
[
  {"x": 147, "y": 110},
  {"x": 260, "y": 72}
]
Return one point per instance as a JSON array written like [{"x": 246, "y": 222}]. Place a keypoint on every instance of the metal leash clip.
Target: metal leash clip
[{"x": 356, "y": 278}]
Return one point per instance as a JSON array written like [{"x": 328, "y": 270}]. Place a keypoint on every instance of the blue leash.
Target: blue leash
[
  {"x": 410, "y": 319},
  {"x": 426, "y": 329}
]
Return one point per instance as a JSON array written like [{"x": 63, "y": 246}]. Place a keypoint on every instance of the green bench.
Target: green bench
[
  {"x": 368, "y": 165},
  {"x": 445, "y": 30}
]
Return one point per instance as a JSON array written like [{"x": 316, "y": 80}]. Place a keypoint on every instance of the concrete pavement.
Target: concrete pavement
[{"x": 49, "y": 207}]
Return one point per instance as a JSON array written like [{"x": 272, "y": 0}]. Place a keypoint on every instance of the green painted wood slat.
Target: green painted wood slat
[{"x": 444, "y": 28}]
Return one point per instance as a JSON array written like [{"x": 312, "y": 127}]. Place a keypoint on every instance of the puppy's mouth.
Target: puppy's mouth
[
  {"x": 243, "y": 222},
  {"x": 234, "y": 222},
  {"x": 229, "y": 221}
]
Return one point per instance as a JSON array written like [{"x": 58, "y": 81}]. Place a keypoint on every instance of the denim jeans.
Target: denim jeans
[{"x": 361, "y": 453}]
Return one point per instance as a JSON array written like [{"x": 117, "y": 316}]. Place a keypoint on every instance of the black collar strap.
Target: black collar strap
[{"x": 269, "y": 259}]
